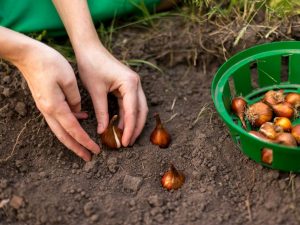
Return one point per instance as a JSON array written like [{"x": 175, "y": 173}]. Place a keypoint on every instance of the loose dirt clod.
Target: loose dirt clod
[{"x": 16, "y": 202}]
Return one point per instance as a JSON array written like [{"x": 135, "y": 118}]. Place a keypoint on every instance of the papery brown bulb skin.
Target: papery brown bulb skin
[
  {"x": 238, "y": 107},
  {"x": 172, "y": 179},
  {"x": 284, "y": 109},
  {"x": 267, "y": 156},
  {"x": 293, "y": 99},
  {"x": 160, "y": 135},
  {"x": 296, "y": 133},
  {"x": 268, "y": 129},
  {"x": 286, "y": 139},
  {"x": 284, "y": 123},
  {"x": 259, "y": 113},
  {"x": 273, "y": 97},
  {"x": 112, "y": 136}
]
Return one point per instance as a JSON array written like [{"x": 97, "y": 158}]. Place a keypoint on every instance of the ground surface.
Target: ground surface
[{"x": 47, "y": 184}]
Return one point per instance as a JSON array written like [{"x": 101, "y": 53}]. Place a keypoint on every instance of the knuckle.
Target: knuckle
[
  {"x": 134, "y": 79},
  {"x": 75, "y": 100},
  {"x": 69, "y": 82},
  {"x": 46, "y": 107}
]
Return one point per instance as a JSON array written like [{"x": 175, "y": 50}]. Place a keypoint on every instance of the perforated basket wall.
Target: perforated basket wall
[{"x": 251, "y": 73}]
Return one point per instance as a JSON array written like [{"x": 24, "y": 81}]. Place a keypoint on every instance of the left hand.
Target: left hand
[{"x": 101, "y": 73}]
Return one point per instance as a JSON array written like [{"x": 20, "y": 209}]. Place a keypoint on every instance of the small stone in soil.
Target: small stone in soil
[
  {"x": 88, "y": 209},
  {"x": 112, "y": 164},
  {"x": 89, "y": 166},
  {"x": 155, "y": 201},
  {"x": 16, "y": 202},
  {"x": 132, "y": 183},
  {"x": 20, "y": 108}
]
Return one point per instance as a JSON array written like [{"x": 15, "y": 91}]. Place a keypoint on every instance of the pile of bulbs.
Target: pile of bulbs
[
  {"x": 112, "y": 136},
  {"x": 271, "y": 119}
]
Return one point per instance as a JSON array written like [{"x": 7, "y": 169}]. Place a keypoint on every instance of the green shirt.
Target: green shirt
[{"x": 37, "y": 15}]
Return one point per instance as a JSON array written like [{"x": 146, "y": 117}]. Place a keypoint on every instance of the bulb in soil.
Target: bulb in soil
[
  {"x": 160, "y": 135},
  {"x": 172, "y": 179},
  {"x": 238, "y": 107},
  {"x": 259, "y": 113},
  {"x": 273, "y": 97},
  {"x": 112, "y": 136}
]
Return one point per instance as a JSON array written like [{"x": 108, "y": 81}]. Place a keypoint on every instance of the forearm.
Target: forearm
[
  {"x": 76, "y": 17},
  {"x": 14, "y": 46}
]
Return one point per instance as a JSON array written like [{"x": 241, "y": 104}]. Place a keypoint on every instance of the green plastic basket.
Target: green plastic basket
[{"x": 251, "y": 73}]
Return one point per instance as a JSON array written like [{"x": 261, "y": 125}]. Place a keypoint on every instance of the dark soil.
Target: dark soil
[{"x": 47, "y": 184}]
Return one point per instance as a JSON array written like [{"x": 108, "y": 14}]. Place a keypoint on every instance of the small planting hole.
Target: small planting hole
[
  {"x": 266, "y": 156},
  {"x": 284, "y": 68}
]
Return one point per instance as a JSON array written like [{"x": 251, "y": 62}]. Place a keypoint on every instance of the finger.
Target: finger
[
  {"x": 142, "y": 115},
  {"x": 130, "y": 113},
  {"x": 101, "y": 110},
  {"x": 71, "y": 125},
  {"x": 67, "y": 140},
  {"x": 81, "y": 115},
  {"x": 71, "y": 91},
  {"x": 121, "y": 114}
]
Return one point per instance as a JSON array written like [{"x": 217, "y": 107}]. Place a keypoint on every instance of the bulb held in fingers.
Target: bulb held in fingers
[{"x": 112, "y": 136}]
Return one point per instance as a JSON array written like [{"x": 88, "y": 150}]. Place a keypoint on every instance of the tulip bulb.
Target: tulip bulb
[
  {"x": 267, "y": 156},
  {"x": 284, "y": 123},
  {"x": 293, "y": 99},
  {"x": 259, "y": 113},
  {"x": 269, "y": 130},
  {"x": 112, "y": 136},
  {"x": 238, "y": 106},
  {"x": 284, "y": 109},
  {"x": 172, "y": 179},
  {"x": 296, "y": 133},
  {"x": 273, "y": 97},
  {"x": 159, "y": 135},
  {"x": 286, "y": 139}
]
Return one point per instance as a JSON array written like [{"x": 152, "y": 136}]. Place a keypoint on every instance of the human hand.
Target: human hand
[
  {"x": 54, "y": 88},
  {"x": 101, "y": 73}
]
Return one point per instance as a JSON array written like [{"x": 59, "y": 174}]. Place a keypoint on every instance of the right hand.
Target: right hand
[{"x": 54, "y": 88}]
